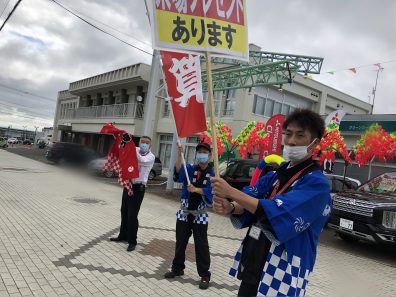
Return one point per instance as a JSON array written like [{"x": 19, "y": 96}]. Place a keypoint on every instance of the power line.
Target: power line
[
  {"x": 100, "y": 29},
  {"x": 111, "y": 27},
  {"x": 26, "y": 116},
  {"x": 4, "y": 8},
  {"x": 26, "y": 92},
  {"x": 28, "y": 109},
  {"x": 12, "y": 11}
]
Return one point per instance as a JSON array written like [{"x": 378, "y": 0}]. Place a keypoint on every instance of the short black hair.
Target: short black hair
[
  {"x": 144, "y": 136},
  {"x": 307, "y": 120}
]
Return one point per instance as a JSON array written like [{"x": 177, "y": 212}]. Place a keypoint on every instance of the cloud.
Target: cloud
[{"x": 43, "y": 48}]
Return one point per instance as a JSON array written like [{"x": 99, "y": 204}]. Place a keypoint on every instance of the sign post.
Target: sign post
[{"x": 212, "y": 114}]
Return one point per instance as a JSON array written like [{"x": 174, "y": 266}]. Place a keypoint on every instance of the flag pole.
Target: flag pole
[{"x": 212, "y": 113}]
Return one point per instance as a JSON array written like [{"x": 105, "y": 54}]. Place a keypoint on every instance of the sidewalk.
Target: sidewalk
[{"x": 54, "y": 229}]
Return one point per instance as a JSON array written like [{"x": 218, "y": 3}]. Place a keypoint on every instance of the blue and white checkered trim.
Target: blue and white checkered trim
[
  {"x": 202, "y": 218},
  {"x": 279, "y": 278}
]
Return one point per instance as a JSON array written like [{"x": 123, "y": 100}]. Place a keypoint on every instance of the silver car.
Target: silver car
[{"x": 96, "y": 167}]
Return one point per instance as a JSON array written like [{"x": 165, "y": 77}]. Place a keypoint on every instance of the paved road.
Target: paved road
[
  {"x": 54, "y": 226},
  {"x": 385, "y": 255}
]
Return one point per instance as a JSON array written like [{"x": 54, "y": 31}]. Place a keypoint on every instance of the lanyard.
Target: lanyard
[{"x": 276, "y": 190}]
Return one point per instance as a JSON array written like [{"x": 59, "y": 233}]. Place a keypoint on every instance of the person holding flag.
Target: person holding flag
[
  {"x": 192, "y": 217},
  {"x": 285, "y": 212}
]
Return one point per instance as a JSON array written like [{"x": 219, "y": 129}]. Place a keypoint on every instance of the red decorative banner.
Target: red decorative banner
[
  {"x": 273, "y": 127},
  {"x": 183, "y": 78}
]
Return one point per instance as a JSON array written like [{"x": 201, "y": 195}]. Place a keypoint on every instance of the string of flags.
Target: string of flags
[{"x": 354, "y": 70}]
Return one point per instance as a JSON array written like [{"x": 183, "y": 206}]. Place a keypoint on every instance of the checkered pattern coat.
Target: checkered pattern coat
[
  {"x": 207, "y": 199},
  {"x": 297, "y": 219}
]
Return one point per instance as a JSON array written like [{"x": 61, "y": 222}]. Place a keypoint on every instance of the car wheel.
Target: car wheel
[
  {"x": 348, "y": 238},
  {"x": 151, "y": 175},
  {"x": 108, "y": 173}
]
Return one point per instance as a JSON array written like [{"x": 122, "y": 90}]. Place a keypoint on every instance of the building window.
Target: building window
[
  {"x": 166, "y": 110},
  {"x": 165, "y": 149},
  {"x": 258, "y": 105},
  {"x": 229, "y": 106},
  {"x": 269, "y": 108}
]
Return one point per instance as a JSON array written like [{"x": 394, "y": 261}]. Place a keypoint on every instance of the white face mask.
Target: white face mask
[{"x": 296, "y": 153}]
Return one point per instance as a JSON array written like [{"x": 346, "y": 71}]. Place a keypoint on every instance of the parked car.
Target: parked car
[
  {"x": 240, "y": 172},
  {"x": 72, "y": 153},
  {"x": 156, "y": 170},
  {"x": 27, "y": 141},
  {"x": 3, "y": 142},
  {"x": 12, "y": 140},
  {"x": 96, "y": 167},
  {"x": 338, "y": 183},
  {"x": 369, "y": 213}
]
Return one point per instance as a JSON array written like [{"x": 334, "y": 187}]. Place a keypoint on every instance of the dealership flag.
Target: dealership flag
[
  {"x": 273, "y": 127},
  {"x": 183, "y": 78}
]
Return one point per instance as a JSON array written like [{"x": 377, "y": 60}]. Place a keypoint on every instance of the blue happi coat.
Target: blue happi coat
[
  {"x": 297, "y": 218},
  {"x": 207, "y": 199}
]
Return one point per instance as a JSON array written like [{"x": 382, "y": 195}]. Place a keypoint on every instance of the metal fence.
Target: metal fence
[{"x": 127, "y": 110}]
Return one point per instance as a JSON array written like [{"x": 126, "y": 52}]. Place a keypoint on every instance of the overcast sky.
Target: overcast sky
[{"x": 43, "y": 48}]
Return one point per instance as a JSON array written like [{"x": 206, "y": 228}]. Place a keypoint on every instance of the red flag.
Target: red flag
[
  {"x": 273, "y": 127},
  {"x": 353, "y": 70},
  {"x": 121, "y": 157},
  {"x": 183, "y": 77}
]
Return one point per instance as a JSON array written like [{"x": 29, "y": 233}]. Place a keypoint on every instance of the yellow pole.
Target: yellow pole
[{"x": 212, "y": 114}]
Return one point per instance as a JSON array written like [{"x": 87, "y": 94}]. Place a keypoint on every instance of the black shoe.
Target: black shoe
[
  {"x": 173, "y": 274},
  {"x": 131, "y": 247},
  {"x": 204, "y": 284},
  {"x": 117, "y": 239}
]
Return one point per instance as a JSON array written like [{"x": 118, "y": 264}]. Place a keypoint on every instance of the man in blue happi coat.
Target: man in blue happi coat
[
  {"x": 285, "y": 212},
  {"x": 192, "y": 217}
]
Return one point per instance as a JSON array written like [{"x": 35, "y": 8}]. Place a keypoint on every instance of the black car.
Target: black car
[
  {"x": 369, "y": 213},
  {"x": 239, "y": 172},
  {"x": 71, "y": 153}
]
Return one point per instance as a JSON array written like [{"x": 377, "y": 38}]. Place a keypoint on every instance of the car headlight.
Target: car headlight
[{"x": 389, "y": 219}]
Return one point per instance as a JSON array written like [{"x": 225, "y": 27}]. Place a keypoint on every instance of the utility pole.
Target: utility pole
[
  {"x": 8, "y": 131},
  {"x": 150, "y": 104},
  {"x": 24, "y": 133},
  {"x": 375, "y": 87},
  {"x": 35, "y": 133}
]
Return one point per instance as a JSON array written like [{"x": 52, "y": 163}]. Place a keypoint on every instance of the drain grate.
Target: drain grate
[{"x": 87, "y": 200}]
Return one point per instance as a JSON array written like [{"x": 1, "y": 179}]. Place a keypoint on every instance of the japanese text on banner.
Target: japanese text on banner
[{"x": 217, "y": 26}]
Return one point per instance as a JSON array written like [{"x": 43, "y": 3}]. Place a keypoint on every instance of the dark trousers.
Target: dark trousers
[
  {"x": 248, "y": 290},
  {"x": 200, "y": 233},
  {"x": 130, "y": 207}
]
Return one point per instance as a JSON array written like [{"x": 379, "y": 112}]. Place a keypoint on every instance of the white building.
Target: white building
[{"x": 119, "y": 96}]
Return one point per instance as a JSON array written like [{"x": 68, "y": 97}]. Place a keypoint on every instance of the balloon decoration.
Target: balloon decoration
[
  {"x": 375, "y": 143},
  {"x": 278, "y": 160},
  {"x": 224, "y": 137},
  {"x": 331, "y": 142},
  {"x": 252, "y": 138}
]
